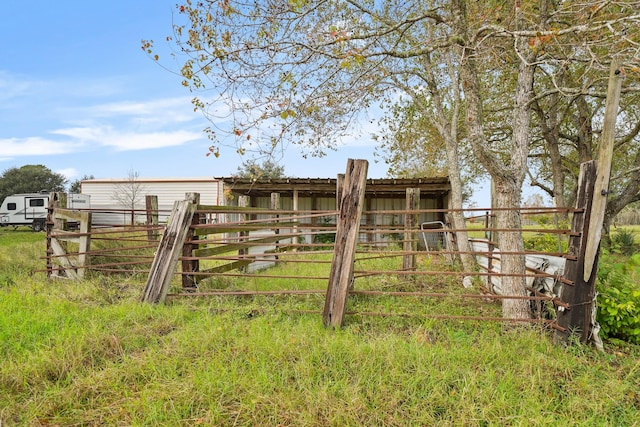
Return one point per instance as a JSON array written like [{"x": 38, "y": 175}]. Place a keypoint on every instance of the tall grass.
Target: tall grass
[{"x": 88, "y": 353}]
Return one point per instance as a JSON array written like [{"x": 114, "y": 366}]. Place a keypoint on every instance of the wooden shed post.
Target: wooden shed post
[
  {"x": 410, "y": 242},
  {"x": 348, "y": 226},
  {"x": 190, "y": 281},
  {"x": 151, "y": 204},
  {"x": 243, "y": 202},
  {"x": 295, "y": 239},
  {"x": 339, "y": 189},
  {"x": 275, "y": 205}
]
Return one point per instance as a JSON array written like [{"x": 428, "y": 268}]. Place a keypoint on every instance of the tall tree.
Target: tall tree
[
  {"x": 30, "y": 179},
  {"x": 302, "y": 71},
  {"x": 130, "y": 193},
  {"x": 569, "y": 102},
  {"x": 76, "y": 185},
  {"x": 267, "y": 169}
]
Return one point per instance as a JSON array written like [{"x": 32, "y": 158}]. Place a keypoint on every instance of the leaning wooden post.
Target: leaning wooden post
[
  {"x": 189, "y": 281},
  {"x": 605, "y": 157},
  {"x": 579, "y": 318},
  {"x": 410, "y": 243},
  {"x": 348, "y": 226},
  {"x": 169, "y": 249},
  {"x": 579, "y": 295},
  {"x": 151, "y": 204}
]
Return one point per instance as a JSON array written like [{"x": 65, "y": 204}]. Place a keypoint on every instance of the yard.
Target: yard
[{"x": 89, "y": 353}]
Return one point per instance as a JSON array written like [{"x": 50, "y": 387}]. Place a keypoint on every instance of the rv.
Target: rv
[{"x": 30, "y": 209}]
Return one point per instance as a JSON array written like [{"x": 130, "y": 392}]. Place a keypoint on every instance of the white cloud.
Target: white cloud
[
  {"x": 69, "y": 173},
  {"x": 146, "y": 141},
  {"x": 33, "y": 146},
  {"x": 89, "y": 138},
  {"x": 12, "y": 87},
  {"x": 129, "y": 140}
]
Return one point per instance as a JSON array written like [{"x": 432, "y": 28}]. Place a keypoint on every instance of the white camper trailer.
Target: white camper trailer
[{"x": 30, "y": 209}]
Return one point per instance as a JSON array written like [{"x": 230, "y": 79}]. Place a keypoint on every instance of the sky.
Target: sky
[{"x": 79, "y": 96}]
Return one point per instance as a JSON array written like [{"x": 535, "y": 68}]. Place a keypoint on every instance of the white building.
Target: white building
[{"x": 117, "y": 194}]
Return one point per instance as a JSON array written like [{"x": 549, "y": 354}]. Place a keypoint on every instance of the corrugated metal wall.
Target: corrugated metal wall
[
  {"x": 102, "y": 191},
  {"x": 168, "y": 191},
  {"x": 377, "y": 204}
]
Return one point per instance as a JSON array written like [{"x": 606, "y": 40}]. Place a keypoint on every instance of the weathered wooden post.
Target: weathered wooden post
[
  {"x": 295, "y": 239},
  {"x": 190, "y": 281},
  {"x": 151, "y": 204},
  {"x": 243, "y": 202},
  {"x": 593, "y": 188},
  {"x": 348, "y": 226},
  {"x": 577, "y": 318},
  {"x": 605, "y": 157},
  {"x": 275, "y": 205},
  {"x": 50, "y": 226},
  {"x": 84, "y": 241},
  {"x": 169, "y": 249},
  {"x": 410, "y": 243}
]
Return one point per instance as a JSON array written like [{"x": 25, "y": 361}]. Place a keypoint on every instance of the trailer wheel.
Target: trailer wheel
[{"x": 38, "y": 225}]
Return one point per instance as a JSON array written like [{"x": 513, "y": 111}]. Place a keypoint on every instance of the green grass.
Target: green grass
[
  {"x": 10, "y": 237},
  {"x": 88, "y": 353}
]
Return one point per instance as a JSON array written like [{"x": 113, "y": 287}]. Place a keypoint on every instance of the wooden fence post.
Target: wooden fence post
[
  {"x": 348, "y": 226},
  {"x": 84, "y": 241},
  {"x": 603, "y": 173},
  {"x": 151, "y": 204},
  {"x": 189, "y": 281},
  {"x": 243, "y": 202},
  {"x": 169, "y": 249},
  {"x": 50, "y": 226},
  {"x": 410, "y": 243},
  {"x": 577, "y": 318},
  {"x": 295, "y": 239},
  {"x": 275, "y": 205}
]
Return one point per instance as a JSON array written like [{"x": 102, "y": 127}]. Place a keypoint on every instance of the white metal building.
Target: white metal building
[{"x": 105, "y": 192}]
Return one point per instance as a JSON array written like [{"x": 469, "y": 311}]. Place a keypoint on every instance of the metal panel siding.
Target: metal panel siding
[{"x": 168, "y": 191}]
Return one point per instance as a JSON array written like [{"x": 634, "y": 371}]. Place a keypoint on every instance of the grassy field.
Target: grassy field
[{"x": 90, "y": 354}]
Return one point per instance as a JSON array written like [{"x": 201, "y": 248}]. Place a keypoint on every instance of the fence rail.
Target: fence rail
[{"x": 264, "y": 252}]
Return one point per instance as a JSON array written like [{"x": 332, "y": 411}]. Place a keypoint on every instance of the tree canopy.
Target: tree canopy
[
  {"x": 303, "y": 71},
  {"x": 267, "y": 169},
  {"x": 30, "y": 179},
  {"x": 75, "y": 186}
]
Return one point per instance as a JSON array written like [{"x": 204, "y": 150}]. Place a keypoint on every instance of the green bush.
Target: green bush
[
  {"x": 545, "y": 242},
  {"x": 619, "y": 299},
  {"x": 623, "y": 241}
]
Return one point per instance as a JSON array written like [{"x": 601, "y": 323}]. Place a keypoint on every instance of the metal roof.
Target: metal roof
[{"x": 383, "y": 187}]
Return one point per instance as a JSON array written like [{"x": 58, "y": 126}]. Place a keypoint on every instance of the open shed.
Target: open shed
[{"x": 319, "y": 194}]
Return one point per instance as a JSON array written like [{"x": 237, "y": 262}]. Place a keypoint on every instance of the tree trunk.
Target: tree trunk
[
  {"x": 457, "y": 216},
  {"x": 506, "y": 168},
  {"x": 512, "y": 266},
  {"x": 447, "y": 124}
]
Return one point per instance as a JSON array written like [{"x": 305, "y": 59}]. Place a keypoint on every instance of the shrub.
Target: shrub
[
  {"x": 623, "y": 241},
  {"x": 545, "y": 242},
  {"x": 619, "y": 299}
]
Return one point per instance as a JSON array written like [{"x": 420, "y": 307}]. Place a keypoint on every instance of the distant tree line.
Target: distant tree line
[{"x": 30, "y": 179}]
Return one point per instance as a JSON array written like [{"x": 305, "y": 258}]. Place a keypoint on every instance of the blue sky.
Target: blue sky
[{"x": 78, "y": 95}]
